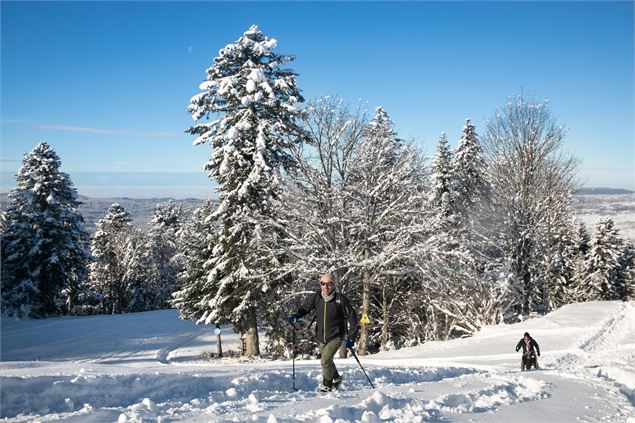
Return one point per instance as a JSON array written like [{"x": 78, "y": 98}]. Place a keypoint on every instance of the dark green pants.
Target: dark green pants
[{"x": 327, "y": 352}]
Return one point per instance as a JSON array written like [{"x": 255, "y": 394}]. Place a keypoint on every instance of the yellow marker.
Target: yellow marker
[{"x": 365, "y": 320}]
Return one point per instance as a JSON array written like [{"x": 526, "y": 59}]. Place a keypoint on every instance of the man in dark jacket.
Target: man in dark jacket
[
  {"x": 530, "y": 350},
  {"x": 332, "y": 311}
]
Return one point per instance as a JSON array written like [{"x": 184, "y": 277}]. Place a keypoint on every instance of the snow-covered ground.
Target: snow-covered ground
[{"x": 148, "y": 367}]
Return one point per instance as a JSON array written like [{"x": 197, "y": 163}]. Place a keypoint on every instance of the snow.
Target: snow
[
  {"x": 148, "y": 367},
  {"x": 621, "y": 208}
]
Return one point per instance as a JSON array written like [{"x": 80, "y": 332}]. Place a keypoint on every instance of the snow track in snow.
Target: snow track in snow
[
  {"x": 147, "y": 367},
  {"x": 606, "y": 353},
  {"x": 226, "y": 392}
]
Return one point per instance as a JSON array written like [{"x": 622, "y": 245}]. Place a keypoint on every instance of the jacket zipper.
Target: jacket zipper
[{"x": 324, "y": 322}]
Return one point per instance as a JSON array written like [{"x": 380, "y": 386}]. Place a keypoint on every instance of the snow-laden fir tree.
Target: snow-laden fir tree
[
  {"x": 626, "y": 286},
  {"x": 469, "y": 172},
  {"x": 580, "y": 247},
  {"x": 603, "y": 263},
  {"x": 44, "y": 245},
  {"x": 142, "y": 294},
  {"x": 163, "y": 252},
  {"x": 456, "y": 295},
  {"x": 109, "y": 272},
  {"x": 473, "y": 201},
  {"x": 447, "y": 227},
  {"x": 253, "y": 100},
  {"x": 583, "y": 239},
  {"x": 199, "y": 239},
  {"x": 441, "y": 186}
]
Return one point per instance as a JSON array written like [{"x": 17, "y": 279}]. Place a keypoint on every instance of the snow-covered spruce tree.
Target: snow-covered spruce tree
[
  {"x": 254, "y": 100},
  {"x": 45, "y": 245},
  {"x": 387, "y": 179},
  {"x": 626, "y": 290},
  {"x": 445, "y": 220},
  {"x": 522, "y": 145},
  {"x": 473, "y": 202},
  {"x": 200, "y": 237},
  {"x": 109, "y": 266},
  {"x": 583, "y": 239},
  {"x": 142, "y": 295},
  {"x": 603, "y": 263},
  {"x": 469, "y": 172},
  {"x": 581, "y": 245},
  {"x": 442, "y": 194},
  {"x": 163, "y": 252}
]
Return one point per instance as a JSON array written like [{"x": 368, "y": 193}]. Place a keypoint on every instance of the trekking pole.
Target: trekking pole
[
  {"x": 293, "y": 351},
  {"x": 360, "y": 366}
]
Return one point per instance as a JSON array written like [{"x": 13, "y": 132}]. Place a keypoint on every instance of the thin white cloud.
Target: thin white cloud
[
  {"x": 190, "y": 49},
  {"x": 101, "y": 131}
]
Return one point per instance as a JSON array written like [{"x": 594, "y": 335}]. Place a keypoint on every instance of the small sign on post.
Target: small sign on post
[
  {"x": 365, "y": 320},
  {"x": 219, "y": 345}
]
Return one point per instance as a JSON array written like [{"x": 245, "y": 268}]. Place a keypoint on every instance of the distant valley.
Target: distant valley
[{"x": 589, "y": 204}]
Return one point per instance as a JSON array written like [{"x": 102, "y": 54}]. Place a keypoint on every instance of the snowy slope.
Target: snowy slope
[{"x": 147, "y": 367}]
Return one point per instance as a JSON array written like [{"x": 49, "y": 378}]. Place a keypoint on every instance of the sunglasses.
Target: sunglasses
[{"x": 327, "y": 283}]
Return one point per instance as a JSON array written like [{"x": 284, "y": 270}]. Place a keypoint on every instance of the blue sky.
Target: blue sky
[{"x": 107, "y": 83}]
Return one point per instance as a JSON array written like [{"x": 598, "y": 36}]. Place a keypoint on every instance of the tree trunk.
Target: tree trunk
[
  {"x": 385, "y": 330},
  {"x": 547, "y": 282},
  {"x": 363, "y": 334},
  {"x": 523, "y": 271},
  {"x": 252, "y": 348}
]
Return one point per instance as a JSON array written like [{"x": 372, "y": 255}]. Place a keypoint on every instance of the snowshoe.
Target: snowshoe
[
  {"x": 323, "y": 388},
  {"x": 336, "y": 382},
  {"x": 326, "y": 386}
]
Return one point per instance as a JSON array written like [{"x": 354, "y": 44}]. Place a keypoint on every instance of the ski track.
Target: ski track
[{"x": 163, "y": 355}]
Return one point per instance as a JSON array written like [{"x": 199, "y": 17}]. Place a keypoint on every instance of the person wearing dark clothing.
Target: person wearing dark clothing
[
  {"x": 336, "y": 321},
  {"x": 530, "y": 350}
]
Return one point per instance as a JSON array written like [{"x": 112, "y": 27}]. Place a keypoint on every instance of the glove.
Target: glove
[
  {"x": 538, "y": 354},
  {"x": 291, "y": 319},
  {"x": 349, "y": 343}
]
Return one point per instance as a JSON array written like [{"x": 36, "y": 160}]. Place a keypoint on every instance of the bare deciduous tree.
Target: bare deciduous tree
[{"x": 530, "y": 177}]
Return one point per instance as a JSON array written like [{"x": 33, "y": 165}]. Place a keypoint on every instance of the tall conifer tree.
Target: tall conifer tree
[
  {"x": 45, "y": 245},
  {"x": 253, "y": 99},
  {"x": 109, "y": 268}
]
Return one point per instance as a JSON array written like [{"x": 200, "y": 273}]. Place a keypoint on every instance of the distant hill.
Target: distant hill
[
  {"x": 589, "y": 204},
  {"x": 140, "y": 209},
  {"x": 602, "y": 191}
]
